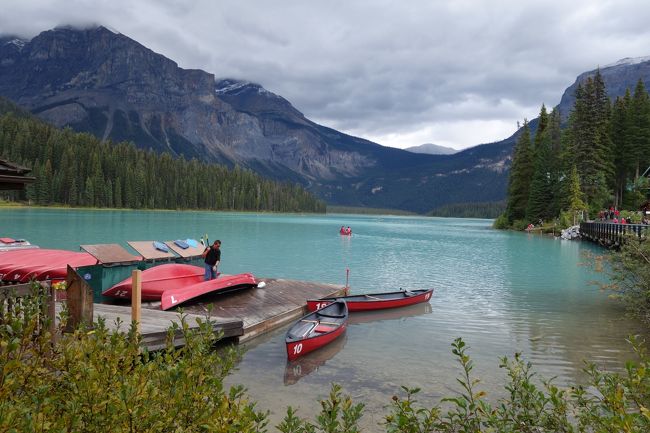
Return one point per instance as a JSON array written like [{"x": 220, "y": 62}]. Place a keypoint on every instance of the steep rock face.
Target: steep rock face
[
  {"x": 618, "y": 77},
  {"x": 104, "y": 83},
  {"x": 290, "y": 138}
]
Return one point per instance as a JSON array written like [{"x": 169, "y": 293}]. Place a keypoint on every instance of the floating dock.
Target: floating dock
[
  {"x": 241, "y": 315},
  {"x": 263, "y": 309},
  {"x": 154, "y": 324}
]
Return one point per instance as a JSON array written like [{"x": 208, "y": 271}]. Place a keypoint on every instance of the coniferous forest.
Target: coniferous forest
[
  {"x": 595, "y": 161},
  {"x": 77, "y": 169}
]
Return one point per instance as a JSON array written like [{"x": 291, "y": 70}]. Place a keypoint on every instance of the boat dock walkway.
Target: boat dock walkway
[
  {"x": 154, "y": 324},
  {"x": 241, "y": 315},
  {"x": 264, "y": 309},
  {"x": 613, "y": 235}
]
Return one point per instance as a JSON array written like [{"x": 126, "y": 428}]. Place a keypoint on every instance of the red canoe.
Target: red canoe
[
  {"x": 14, "y": 259},
  {"x": 58, "y": 266},
  {"x": 226, "y": 283},
  {"x": 27, "y": 268},
  {"x": 375, "y": 301},
  {"x": 316, "y": 329},
  {"x": 60, "y": 272},
  {"x": 157, "y": 280}
]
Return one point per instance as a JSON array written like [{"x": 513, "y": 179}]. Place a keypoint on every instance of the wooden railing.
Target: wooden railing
[
  {"x": 613, "y": 235},
  {"x": 17, "y": 303}
]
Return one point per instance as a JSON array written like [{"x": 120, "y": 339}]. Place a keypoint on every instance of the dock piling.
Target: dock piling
[{"x": 136, "y": 298}]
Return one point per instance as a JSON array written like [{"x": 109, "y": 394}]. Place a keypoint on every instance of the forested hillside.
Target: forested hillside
[
  {"x": 76, "y": 169},
  {"x": 470, "y": 210},
  {"x": 597, "y": 161}
]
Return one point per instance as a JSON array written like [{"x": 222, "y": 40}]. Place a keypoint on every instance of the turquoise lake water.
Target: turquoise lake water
[{"x": 502, "y": 292}]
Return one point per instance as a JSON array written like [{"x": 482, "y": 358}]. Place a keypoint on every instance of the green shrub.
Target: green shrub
[
  {"x": 501, "y": 223},
  {"x": 520, "y": 225},
  {"x": 609, "y": 403},
  {"x": 629, "y": 273},
  {"x": 99, "y": 380},
  {"x": 566, "y": 219}
]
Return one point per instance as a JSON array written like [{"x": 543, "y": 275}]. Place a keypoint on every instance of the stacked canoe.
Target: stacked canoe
[{"x": 24, "y": 265}]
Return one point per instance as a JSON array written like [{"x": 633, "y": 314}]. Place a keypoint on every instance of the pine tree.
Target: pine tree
[
  {"x": 576, "y": 198},
  {"x": 589, "y": 143},
  {"x": 554, "y": 132},
  {"x": 540, "y": 197},
  {"x": 621, "y": 133},
  {"x": 640, "y": 146},
  {"x": 521, "y": 172}
]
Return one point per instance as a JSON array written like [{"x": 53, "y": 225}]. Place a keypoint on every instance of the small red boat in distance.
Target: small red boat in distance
[
  {"x": 225, "y": 283},
  {"x": 375, "y": 301},
  {"x": 316, "y": 329},
  {"x": 11, "y": 244},
  {"x": 156, "y": 280}
]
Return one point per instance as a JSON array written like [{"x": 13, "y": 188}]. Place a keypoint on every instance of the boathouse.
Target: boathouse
[{"x": 13, "y": 176}]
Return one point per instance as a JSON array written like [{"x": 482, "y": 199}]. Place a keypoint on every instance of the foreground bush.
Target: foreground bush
[
  {"x": 609, "y": 403},
  {"x": 629, "y": 272},
  {"x": 99, "y": 381}
]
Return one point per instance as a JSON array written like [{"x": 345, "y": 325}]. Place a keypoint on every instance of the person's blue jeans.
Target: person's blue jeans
[{"x": 210, "y": 272}]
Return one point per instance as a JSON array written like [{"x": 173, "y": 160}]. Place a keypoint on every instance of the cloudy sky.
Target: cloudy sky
[{"x": 401, "y": 73}]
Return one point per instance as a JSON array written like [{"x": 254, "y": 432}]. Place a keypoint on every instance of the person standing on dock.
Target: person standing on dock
[{"x": 212, "y": 258}]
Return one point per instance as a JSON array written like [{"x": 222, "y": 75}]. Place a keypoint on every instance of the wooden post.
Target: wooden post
[
  {"x": 347, "y": 281},
  {"x": 136, "y": 297},
  {"x": 51, "y": 310},
  {"x": 79, "y": 300}
]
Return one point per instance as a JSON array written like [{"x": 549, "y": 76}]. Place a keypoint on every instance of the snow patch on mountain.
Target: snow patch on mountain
[
  {"x": 628, "y": 61},
  {"x": 236, "y": 87},
  {"x": 17, "y": 42}
]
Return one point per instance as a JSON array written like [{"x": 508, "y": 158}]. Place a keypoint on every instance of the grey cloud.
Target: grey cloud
[{"x": 376, "y": 66}]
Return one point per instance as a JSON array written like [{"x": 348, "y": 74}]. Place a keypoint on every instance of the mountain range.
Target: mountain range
[{"x": 102, "y": 82}]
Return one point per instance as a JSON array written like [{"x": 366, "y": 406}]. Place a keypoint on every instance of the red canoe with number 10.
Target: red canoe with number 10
[
  {"x": 316, "y": 329},
  {"x": 375, "y": 301}
]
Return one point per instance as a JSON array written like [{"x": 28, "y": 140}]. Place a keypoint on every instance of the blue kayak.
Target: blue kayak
[
  {"x": 160, "y": 246},
  {"x": 181, "y": 244}
]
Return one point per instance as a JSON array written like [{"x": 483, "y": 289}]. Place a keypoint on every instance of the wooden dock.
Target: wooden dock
[
  {"x": 240, "y": 315},
  {"x": 259, "y": 309},
  {"x": 612, "y": 235},
  {"x": 155, "y": 323}
]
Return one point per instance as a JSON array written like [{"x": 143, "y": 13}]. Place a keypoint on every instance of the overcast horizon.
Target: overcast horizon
[{"x": 455, "y": 74}]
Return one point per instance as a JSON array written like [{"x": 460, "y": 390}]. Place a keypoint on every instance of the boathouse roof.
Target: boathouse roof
[{"x": 13, "y": 176}]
